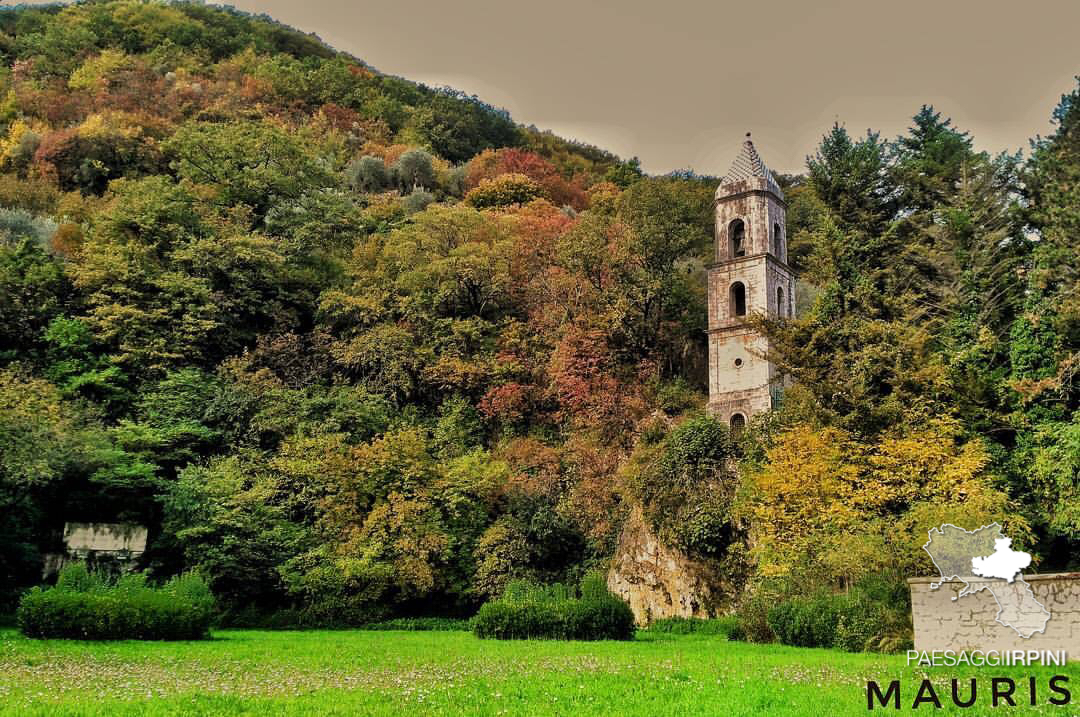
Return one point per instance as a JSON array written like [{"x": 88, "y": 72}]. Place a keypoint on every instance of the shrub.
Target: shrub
[
  {"x": 414, "y": 170},
  {"x": 859, "y": 625},
  {"x": 806, "y": 623},
  {"x": 417, "y": 201},
  {"x": 852, "y": 622},
  {"x": 88, "y": 606},
  {"x": 527, "y": 611},
  {"x": 752, "y": 620},
  {"x": 726, "y": 626},
  {"x": 367, "y": 174}
]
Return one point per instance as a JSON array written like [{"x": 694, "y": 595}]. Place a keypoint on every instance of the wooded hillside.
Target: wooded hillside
[{"x": 355, "y": 347}]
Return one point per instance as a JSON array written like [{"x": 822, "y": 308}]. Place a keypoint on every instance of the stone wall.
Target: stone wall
[
  {"x": 969, "y": 623},
  {"x": 109, "y": 546},
  {"x": 658, "y": 581},
  {"x": 105, "y": 537}
]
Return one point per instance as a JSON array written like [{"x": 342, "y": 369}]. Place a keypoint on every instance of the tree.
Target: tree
[
  {"x": 414, "y": 170},
  {"x": 163, "y": 288},
  {"x": 828, "y": 508},
  {"x": 852, "y": 179},
  {"x": 256, "y": 164},
  {"x": 449, "y": 261},
  {"x": 44, "y": 441},
  {"x": 930, "y": 159},
  {"x": 78, "y": 366},
  {"x": 635, "y": 264},
  {"x": 398, "y": 527},
  {"x": 104, "y": 147},
  {"x": 457, "y": 126},
  {"x": 490, "y": 164},
  {"x": 1051, "y": 187},
  {"x": 33, "y": 291},
  {"x": 624, "y": 174},
  {"x": 504, "y": 190},
  {"x": 1056, "y": 478},
  {"x": 225, "y": 518},
  {"x": 367, "y": 174}
]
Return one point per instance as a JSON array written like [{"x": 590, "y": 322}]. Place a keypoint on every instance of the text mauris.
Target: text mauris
[{"x": 1001, "y": 691}]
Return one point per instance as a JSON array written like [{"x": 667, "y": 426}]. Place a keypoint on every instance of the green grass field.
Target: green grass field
[{"x": 454, "y": 673}]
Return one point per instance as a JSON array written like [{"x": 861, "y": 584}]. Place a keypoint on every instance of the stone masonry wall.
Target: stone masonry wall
[
  {"x": 106, "y": 537},
  {"x": 969, "y": 623}
]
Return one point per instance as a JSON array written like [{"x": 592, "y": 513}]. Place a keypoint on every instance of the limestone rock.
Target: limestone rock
[{"x": 658, "y": 581}]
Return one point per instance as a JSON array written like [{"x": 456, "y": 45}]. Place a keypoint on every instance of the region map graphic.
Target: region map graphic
[{"x": 983, "y": 559}]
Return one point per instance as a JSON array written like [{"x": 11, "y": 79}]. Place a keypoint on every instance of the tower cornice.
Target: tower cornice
[
  {"x": 768, "y": 256},
  {"x": 747, "y": 192}
]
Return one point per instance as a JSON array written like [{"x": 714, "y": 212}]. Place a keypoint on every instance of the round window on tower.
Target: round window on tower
[{"x": 738, "y": 362}]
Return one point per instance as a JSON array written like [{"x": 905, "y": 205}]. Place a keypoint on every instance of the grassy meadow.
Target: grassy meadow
[{"x": 242, "y": 672}]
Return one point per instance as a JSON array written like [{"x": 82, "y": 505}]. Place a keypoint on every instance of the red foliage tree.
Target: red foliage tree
[
  {"x": 585, "y": 383},
  {"x": 493, "y": 163}
]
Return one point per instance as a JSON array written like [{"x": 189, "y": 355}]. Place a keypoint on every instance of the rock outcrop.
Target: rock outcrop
[{"x": 659, "y": 581}]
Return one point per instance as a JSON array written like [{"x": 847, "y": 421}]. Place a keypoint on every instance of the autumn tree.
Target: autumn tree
[{"x": 828, "y": 508}]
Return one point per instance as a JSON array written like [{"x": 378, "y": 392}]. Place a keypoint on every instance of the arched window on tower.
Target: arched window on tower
[
  {"x": 780, "y": 307},
  {"x": 737, "y": 299},
  {"x": 777, "y": 242},
  {"x": 738, "y": 423},
  {"x": 737, "y": 239}
]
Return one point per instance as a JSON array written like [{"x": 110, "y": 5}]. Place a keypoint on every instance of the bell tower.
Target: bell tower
[{"x": 749, "y": 275}]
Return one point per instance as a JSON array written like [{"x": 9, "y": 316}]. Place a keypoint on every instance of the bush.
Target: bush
[
  {"x": 806, "y": 623},
  {"x": 367, "y": 174},
  {"x": 851, "y": 622},
  {"x": 527, "y": 611},
  {"x": 752, "y": 623},
  {"x": 726, "y": 626},
  {"x": 859, "y": 625},
  {"x": 418, "y": 201},
  {"x": 89, "y": 606}
]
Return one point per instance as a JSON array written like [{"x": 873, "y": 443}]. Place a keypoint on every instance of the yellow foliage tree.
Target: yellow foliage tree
[{"x": 828, "y": 507}]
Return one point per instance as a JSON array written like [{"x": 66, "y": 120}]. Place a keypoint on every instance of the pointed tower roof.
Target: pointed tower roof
[{"x": 749, "y": 165}]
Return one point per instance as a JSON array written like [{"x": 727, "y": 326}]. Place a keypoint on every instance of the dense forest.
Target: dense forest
[{"x": 353, "y": 347}]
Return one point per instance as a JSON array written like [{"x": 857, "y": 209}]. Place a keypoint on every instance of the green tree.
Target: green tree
[
  {"x": 44, "y": 442},
  {"x": 227, "y": 519},
  {"x": 457, "y": 126},
  {"x": 852, "y": 179},
  {"x": 164, "y": 288},
  {"x": 414, "y": 170},
  {"x": 77, "y": 364},
  {"x": 367, "y": 174},
  {"x": 255, "y": 164},
  {"x": 33, "y": 291},
  {"x": 1051, "y": 186},
  {"x": 930, "y": 160}
]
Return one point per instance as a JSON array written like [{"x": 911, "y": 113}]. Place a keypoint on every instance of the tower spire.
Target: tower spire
[{"x": 748, "y": 164}]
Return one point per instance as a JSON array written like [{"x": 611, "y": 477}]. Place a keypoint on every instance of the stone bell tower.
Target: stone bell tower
[{"x": 749, "y": 276}]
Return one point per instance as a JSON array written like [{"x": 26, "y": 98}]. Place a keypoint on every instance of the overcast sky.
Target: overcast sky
[{"x": 677, "y": 83}]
